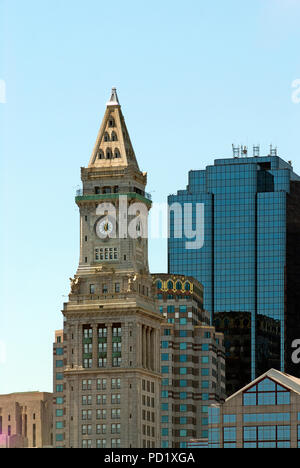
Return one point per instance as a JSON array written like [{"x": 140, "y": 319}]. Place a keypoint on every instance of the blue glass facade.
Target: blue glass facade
[{"x": 244, "y": 264}]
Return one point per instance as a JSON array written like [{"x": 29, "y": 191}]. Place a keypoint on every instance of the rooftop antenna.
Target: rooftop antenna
[
  {"x": 273, "y": 151},
  {"x": 244, "y": 151},
  {"x": 236, "y": 151},
  {"x": 256, "y": 151}
]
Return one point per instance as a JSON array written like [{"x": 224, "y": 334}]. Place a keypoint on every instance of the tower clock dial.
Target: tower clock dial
[{"x": 105, "y": 228}]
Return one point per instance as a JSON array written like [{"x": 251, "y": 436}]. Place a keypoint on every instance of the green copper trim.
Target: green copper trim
[{"x": 112, "y": 196}]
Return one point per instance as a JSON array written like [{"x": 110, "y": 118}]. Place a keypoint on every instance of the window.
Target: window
[
  {"x": 115, "y": 383},
  {"x": 101, "y": 414},
  {"x": 59, "y": 425},
  {"x": 165, "y": 357},
  {"x": 116, "y": 428},
  {"x": 182, "y": 309},
  {"x": 59, "y": 400},
  {"x": 182, "y": 370},
  {"x": 183, "y": 346},
  {"x": 101, "y": 399},
  {"x": 183, "y": 321},
  {"x": 59, "y": 364},
  {"x": 117, "y": 287},
  {"x": 101, "y": 443},
  {"x": 92, "y": 289},
  {"x": 59, "y": 351},
  {"x": 116, "y": 399},
  {"x": 101, "y": 429},
  {"x": 266, "y": 392},
  {"x": 102, "y": 362},
  {"x": 165, "y": 369},
  {"x": 229, "y": 419},
  {"x": 115, "y": 413},
  {"x": 59, "y": 388},
  {"x": 59, "y": 413},
  {"x": 267, "y": 437},
  {"x": 115, "y": 443}
]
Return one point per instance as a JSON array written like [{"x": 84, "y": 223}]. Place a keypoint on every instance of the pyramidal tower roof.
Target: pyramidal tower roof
[{"x": 113, "y": 147}]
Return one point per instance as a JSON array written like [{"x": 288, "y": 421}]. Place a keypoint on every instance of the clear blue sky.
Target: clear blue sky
[{"x": 193, "y": 77}]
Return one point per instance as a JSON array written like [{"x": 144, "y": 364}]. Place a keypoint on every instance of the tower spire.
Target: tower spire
[
  {"x": 113, "y": 147},
  {"x": 114, "y": 101}
]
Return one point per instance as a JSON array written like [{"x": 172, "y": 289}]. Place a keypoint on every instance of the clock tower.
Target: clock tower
[{"x": 111, "y": 331}]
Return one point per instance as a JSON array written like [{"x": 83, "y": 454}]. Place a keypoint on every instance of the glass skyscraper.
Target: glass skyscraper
[{"x": 249, "y": 264}]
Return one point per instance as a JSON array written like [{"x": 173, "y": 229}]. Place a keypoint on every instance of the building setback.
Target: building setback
[
  {"x": 249, "y": 264},
  {"x": 26, "y": 420},
  {"x": 264, "y": 414},
  {"x": 192, "y": 361},
  {"x": 108, "y": 356}
]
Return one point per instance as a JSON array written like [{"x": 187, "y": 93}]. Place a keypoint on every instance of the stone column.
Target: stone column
[
  {"x": 139, "y": 347},
  {"x": 157, "y": 353},
  {"x": 109, "y": 344},
  {"x": 152, "y": 349},
  {"x": 80, "y": 341},
  {"x": 144, "y": 346},
  {"x": 148, "y": 348},
  {"x": 95, "y": 345}
]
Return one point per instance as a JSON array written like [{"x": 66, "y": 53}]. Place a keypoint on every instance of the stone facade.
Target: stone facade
[
  {"x": 106, "y": 360},
  {"x": 26, "y": 420}
]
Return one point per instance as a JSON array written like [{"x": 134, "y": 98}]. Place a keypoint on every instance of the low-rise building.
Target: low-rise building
[
  {"x": 26, "y": 420},
  {"x": 263, "y": 414}
]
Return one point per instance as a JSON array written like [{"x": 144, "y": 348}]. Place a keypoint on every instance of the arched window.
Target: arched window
[
  {"x": 114, "y": 136},
  {"x": 108, "y": 153},
  {"x": 106, "y": 136},
  {"x": 117, "y": 153},
  {"x": 187, "y": 286},
  {"x": 178, "y": 286},
  {"x": 170, "y": 285},
  {"x": 111, "y": 122},
  {"x": 159, "y": 284},
  {"x": 100, "y": 155}
]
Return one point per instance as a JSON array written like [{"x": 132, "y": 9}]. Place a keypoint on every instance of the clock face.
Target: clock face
[{"x": 105, "y": 228}]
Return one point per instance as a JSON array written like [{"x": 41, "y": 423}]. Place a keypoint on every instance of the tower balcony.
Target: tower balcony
[{"x": 87, "y": 195}]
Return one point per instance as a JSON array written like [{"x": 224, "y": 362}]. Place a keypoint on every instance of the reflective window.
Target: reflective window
[{"x": 266, "y": 392}]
